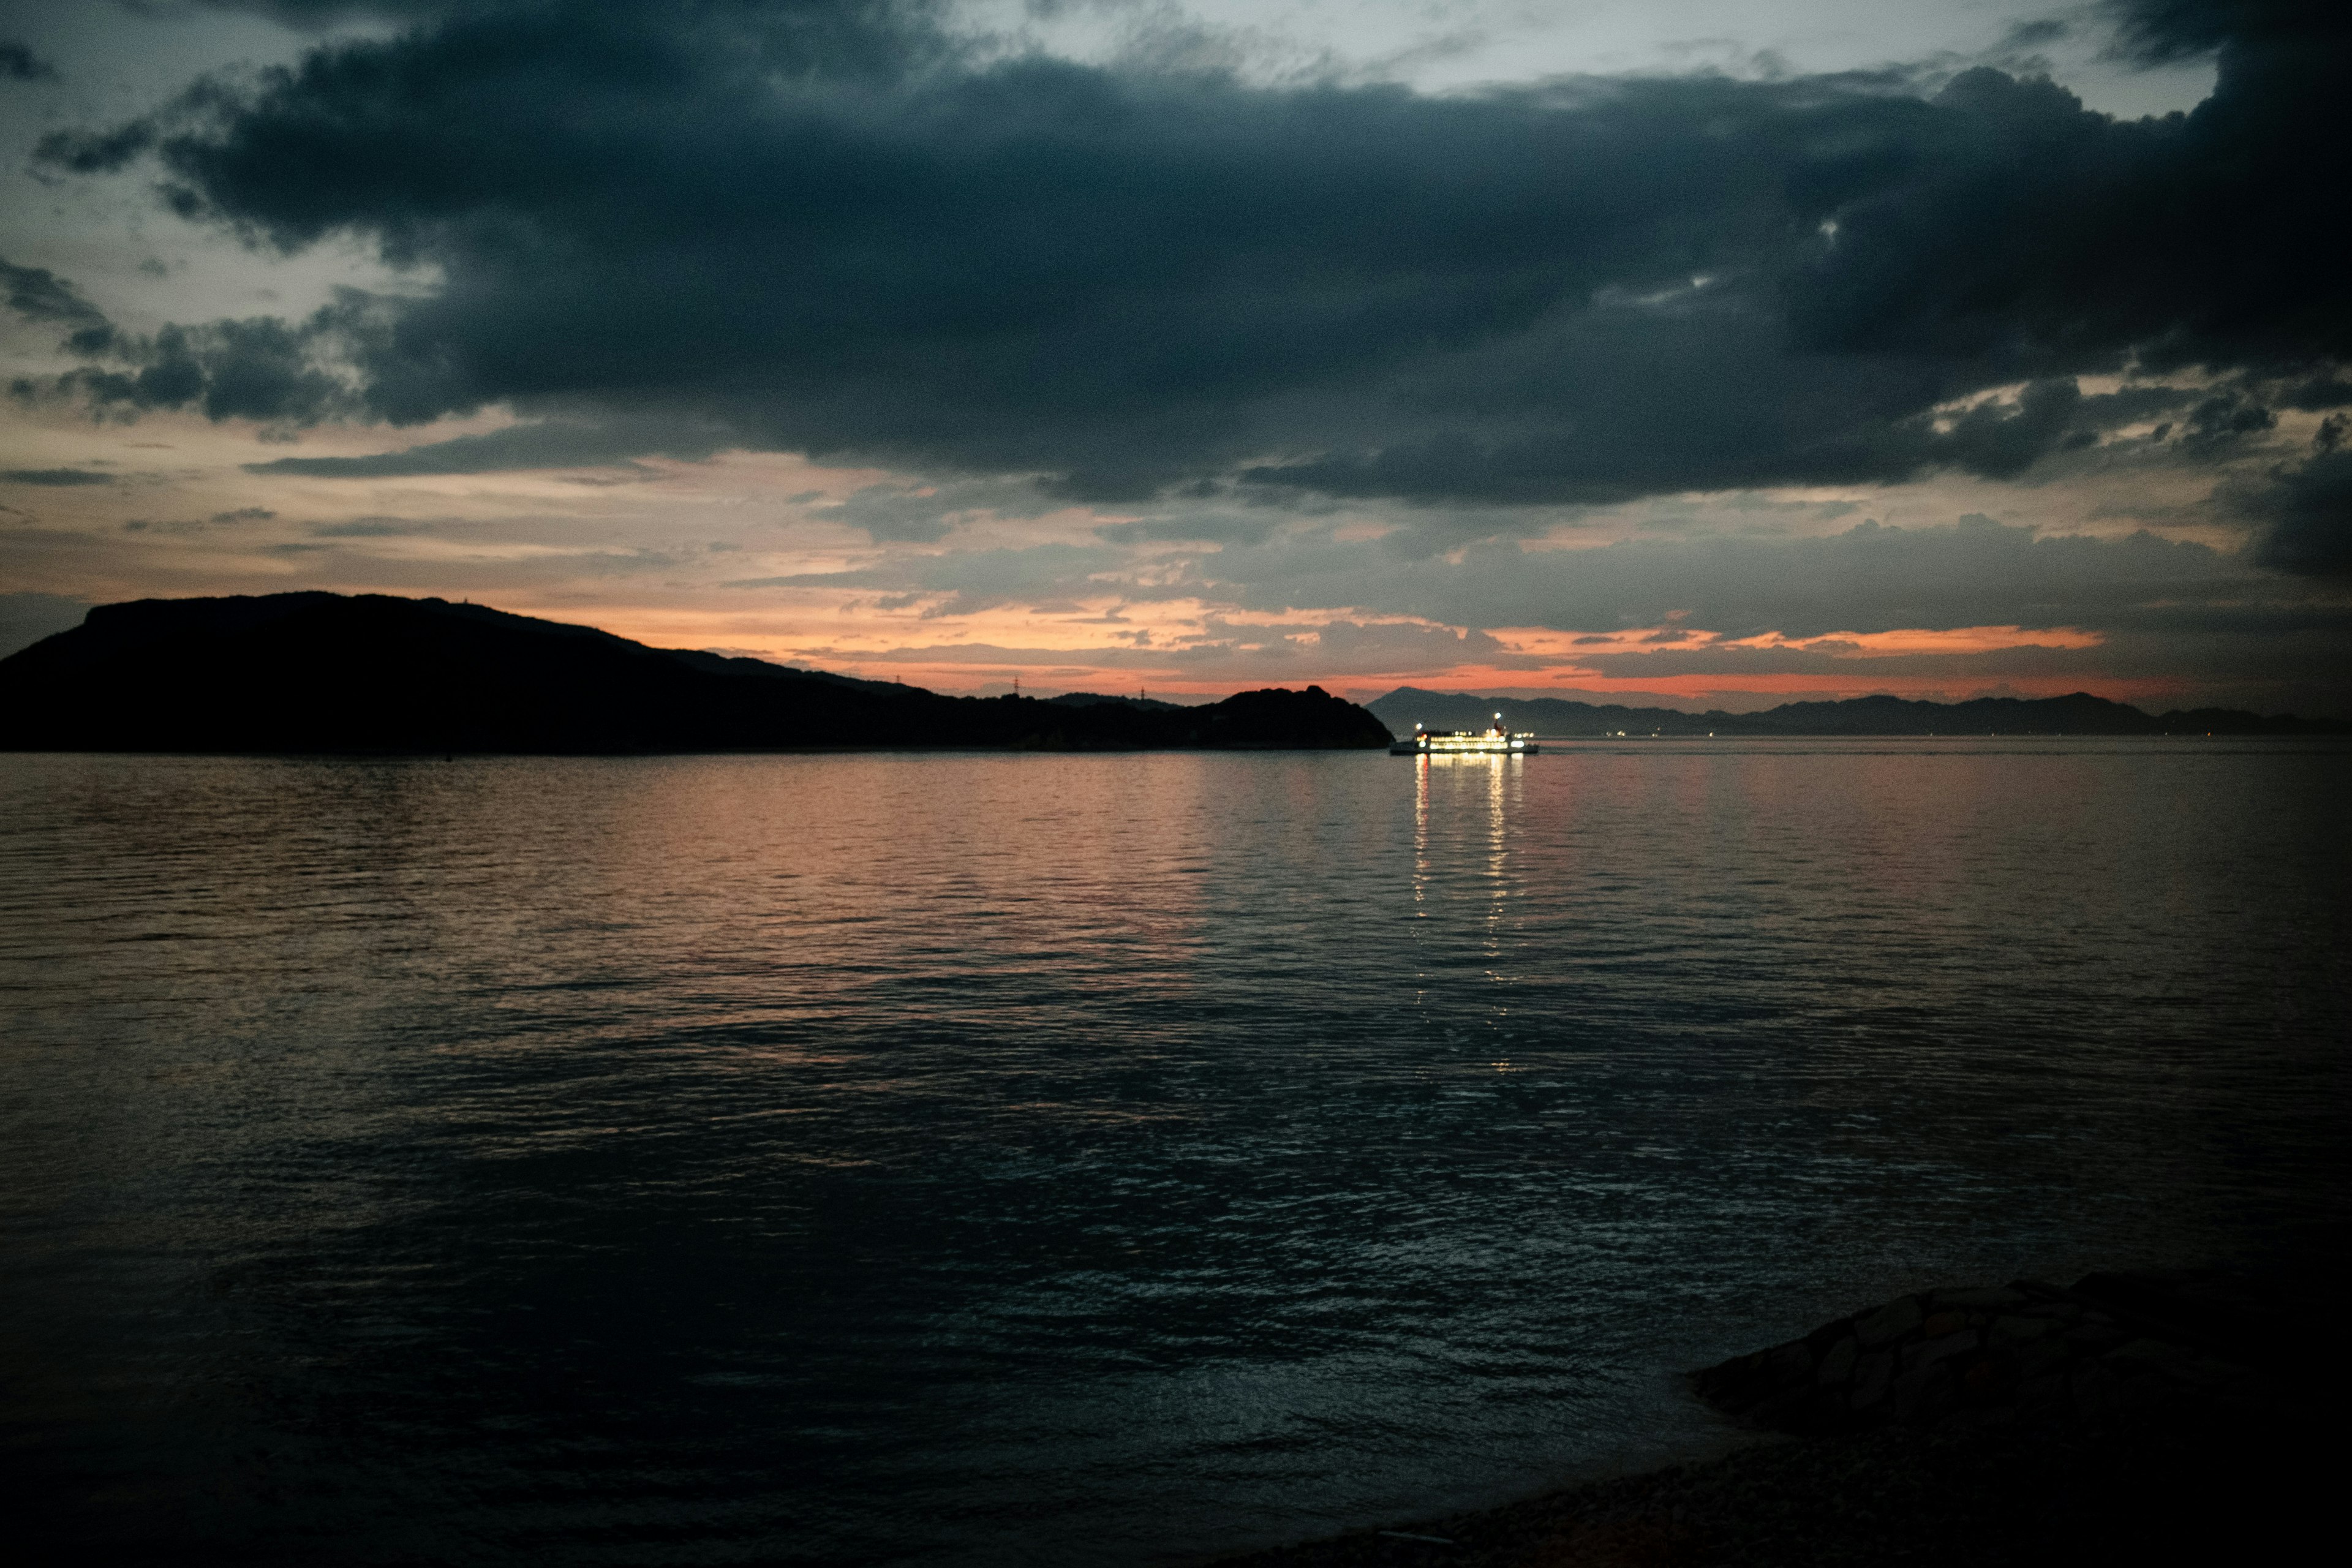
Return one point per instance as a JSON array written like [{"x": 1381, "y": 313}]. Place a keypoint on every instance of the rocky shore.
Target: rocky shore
[
  {"x": 2126, "y": 1418},
  {"x": 2113, "y": 1345}
]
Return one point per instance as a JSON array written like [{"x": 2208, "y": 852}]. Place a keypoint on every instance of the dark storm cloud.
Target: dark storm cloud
[
  {"x": 260, "y": 369},
  {"x": 834, "y": 29},
  {"x": 2160, "y": 30},
  {"x": 328, "y": 13},
  {"x": 2308, "y": 513},
  {"x": 371, "y": 527},
  {"x": 823, "y": 228},
  {"x": 19, "y": 63},
  {"x": 2028, "y": 232},
  {"x": 58, "y": 477},
  {"x": 2319, "y": 392},
  {"x": 39, "y": 295},
  {"x": 554, "y": 444}
]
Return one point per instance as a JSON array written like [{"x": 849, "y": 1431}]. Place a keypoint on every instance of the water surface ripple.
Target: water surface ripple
[{"x": 945, "y": 1158}]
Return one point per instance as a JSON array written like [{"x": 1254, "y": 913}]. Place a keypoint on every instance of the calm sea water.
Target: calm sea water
[{"x": 938, "y": 1159}]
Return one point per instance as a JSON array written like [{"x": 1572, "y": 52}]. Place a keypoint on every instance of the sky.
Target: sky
[{"x": 1707, "y": 354}]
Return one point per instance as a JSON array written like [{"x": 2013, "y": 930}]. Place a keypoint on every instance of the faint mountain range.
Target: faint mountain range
[
  {"x": 2078, "y": 714},
  {"x": 323, "y": 672}
]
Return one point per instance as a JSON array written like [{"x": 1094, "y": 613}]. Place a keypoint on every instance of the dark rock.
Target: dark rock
[
  {"x": 1923, "y": 1392},
  {"x": 2094, "y": 1338},
  {"x": 2026, "y": 1352},
  {"x": 2151, "y": 1433},
  {"x": 1871, "y": 1378},
  {"x": 1979, "y": 1417},
  {"x": 1789, "y": 1410},
  {"x": 1980, "y": 1488},
  {"x": 2141, "y": 1396},
  {"x": 1822, "y": 1339},
  {"x": 2256, "y": 1323},
  {"x": 1927, "y": 1353},
  {"x": 1790, "y": 1364},
  {"x": 2092, "y": 1386},
  {"x": 1892, "y": 1321},
  {"x": 1998, "y": 1297},
  {"x": 2043, "y": 1395},
  {"x": 2040, "y": 1356},
  {"x": 2009, "y": 1331}
]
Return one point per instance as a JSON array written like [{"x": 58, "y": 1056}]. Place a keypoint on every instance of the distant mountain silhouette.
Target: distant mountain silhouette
[
  {"x": 324, "y": 673},
  {"x": 2078, "y": 714}
]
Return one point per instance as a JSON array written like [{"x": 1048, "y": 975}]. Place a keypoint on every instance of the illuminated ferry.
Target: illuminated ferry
[{"x": 1493, "y": 740}]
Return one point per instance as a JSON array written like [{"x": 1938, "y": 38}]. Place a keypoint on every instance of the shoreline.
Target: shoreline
[{"x": 2159, "y": 1414}]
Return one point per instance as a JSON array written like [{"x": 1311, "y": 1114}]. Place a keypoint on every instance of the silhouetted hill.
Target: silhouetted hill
[
  {"x": 1096, "y": 698},
  {"x": 2078, "y": 714},
  {"x": 323, "y": 672}
]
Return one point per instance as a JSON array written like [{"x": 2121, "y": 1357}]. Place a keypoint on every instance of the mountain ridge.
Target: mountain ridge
[
  {"x": 377, "y": 674},
  {"x": 2077, "y": 714}
]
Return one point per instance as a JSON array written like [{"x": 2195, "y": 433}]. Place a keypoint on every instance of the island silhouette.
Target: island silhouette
[{"x": 374, "y": 673}]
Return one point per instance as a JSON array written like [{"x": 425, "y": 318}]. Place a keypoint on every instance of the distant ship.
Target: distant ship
[{"x": 1494, "y": 740}]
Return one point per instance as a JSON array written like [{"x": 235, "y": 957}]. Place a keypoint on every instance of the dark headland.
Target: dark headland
[{"x": 324, "y": 673}]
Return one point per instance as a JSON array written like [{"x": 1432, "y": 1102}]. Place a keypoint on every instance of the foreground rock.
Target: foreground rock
[
  {"x": 2112, "y": 1345},
  {"x": 2126, "y": 1418}
]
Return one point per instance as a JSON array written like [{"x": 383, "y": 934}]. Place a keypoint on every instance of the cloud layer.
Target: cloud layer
[{"x": 831, "y": 229}]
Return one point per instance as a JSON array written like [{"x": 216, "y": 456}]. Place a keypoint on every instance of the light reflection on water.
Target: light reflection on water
[{"x": 979, "y": 1159}]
